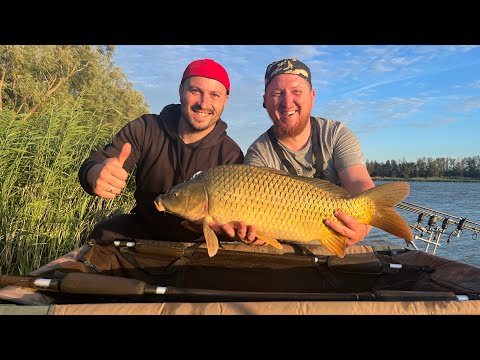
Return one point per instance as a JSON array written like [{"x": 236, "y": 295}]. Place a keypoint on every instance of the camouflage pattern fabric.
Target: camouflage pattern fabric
[{"x": 287, "y": 66}]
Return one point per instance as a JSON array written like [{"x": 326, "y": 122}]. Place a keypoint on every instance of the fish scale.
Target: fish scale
[
  {"x": 281, "y": 206},
  {"x": 276, "y": 210}
]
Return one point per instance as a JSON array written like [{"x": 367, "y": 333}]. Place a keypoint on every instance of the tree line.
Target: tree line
[
  {"x": 31, "y": 76},
  {"x": 427, "y": 167}
]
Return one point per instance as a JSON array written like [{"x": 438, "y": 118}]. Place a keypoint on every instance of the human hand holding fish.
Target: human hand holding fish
[
  {"x": 350, "y": 227},
  {"x": 109, "y": 177},
  {"x": 242, "y": 232}
]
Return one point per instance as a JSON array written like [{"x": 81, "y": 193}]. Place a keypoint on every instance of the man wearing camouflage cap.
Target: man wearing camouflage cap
[{"x": 305, "y": 145}]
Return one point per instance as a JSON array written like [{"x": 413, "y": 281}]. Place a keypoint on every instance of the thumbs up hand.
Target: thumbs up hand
[{"x": 110, "y": 176}]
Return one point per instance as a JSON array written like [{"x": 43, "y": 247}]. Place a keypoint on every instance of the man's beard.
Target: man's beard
[
  {"x": 283, "y": 131},
  {"x": 192, "y": 125}
]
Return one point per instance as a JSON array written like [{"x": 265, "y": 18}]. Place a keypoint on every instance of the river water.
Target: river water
[{"x": 460, "y": 199}]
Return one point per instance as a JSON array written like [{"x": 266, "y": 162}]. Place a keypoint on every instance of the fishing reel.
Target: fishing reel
[{"x": 431, "y": 233}]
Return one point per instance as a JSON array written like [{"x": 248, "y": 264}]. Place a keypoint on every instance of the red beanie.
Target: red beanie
[{"x": 207, "y": 68}]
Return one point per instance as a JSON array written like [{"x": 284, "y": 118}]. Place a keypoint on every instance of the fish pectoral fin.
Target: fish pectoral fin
[
  {"x": 210, "y": 237},
  {"x": 269, "y": 240},
  {"x": 335, "y": 243}
]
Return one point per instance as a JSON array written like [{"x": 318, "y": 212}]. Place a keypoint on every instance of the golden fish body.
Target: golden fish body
[{"x": 281, "y": 206}]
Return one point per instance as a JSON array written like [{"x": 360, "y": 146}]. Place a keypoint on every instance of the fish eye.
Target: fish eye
[{"x": 175, "y": 194}]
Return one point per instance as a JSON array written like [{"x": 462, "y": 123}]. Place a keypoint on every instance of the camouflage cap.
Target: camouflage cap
[{"x": 287, "y": 66}]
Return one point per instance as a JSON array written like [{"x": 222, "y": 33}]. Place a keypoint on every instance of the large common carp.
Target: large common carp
[{"x": 281, "y": 206}]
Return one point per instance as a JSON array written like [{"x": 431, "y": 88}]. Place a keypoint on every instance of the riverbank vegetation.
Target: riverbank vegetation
[
  {"x": 59, "y": 103},
  {"x": 427, "y": 169},
  {"x": 432, "y": 179}
]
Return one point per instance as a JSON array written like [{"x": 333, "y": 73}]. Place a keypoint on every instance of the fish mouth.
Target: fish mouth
[{"x": 158, "y": 204}]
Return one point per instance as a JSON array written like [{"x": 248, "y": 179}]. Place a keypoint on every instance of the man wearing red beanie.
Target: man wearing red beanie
[
  {"x": 164, "y": 150},
  {"x": 207, "y": 68}
]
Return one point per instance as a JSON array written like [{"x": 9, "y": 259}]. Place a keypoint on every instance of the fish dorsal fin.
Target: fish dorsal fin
[
  {"x": 272, "y": 170},
  {"x": 319, "y": 183}
]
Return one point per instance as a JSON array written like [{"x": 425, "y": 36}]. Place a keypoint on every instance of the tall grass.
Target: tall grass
[{"x": 44, "y": 212}]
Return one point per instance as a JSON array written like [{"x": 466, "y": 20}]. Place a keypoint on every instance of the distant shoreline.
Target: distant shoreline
[{"x": 432, "y": 179}]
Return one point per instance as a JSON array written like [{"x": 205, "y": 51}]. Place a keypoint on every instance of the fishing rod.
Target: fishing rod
[
  {"x": 431, "y": 233},
  {"x": 95, "y": 284}
]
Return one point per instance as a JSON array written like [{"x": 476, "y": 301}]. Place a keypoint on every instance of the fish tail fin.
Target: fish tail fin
[
  {"x": 386, "y": 217},
  {"x": 334, "y": 242},
  {"x": 210, "y": 237}
]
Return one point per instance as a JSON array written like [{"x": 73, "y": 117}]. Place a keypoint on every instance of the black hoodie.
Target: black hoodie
[{"x": 156, "y": 146}]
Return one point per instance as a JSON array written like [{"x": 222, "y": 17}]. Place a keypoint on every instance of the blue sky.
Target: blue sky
[{"x": 403, "y": 102}]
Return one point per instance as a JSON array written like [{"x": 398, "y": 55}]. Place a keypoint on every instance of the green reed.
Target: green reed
[{"x": 44, "y": 212}]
